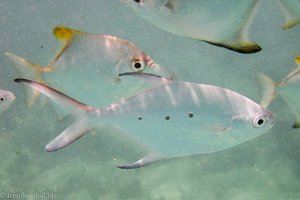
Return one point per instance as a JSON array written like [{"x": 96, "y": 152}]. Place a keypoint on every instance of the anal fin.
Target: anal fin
[
  {"x": 68, "y": 136},
  {"x": 147, "y": 160}
]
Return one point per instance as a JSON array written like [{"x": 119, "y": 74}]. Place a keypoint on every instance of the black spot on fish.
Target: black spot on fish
[
  {"x": 140, "y": 118},
  {"x": 1, "y": 99},
  {"x": 41, "y": 46},
  {"x": 137, "y": 1},
  {"x": 167, "y": 117},
  {"x": 191, "y": 115}
]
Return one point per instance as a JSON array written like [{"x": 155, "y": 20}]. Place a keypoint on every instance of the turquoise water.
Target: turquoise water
[{"x": 264, "y": 168}]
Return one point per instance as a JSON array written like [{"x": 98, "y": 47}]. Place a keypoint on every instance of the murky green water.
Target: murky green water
[{"x": 264, "y": 168}]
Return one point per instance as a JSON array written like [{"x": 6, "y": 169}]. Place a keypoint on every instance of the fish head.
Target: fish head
[
  {"x": 247, "y": 127},
  {"x": 6, "y": 99},
  {"x": 144, "y": 64},
  {"x": 146, "y": 5}
]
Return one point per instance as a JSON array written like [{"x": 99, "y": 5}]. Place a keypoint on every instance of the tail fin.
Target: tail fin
[
  {"x": 26, "y": 69},
  {"x": 269, "y": 87},
  {"x": 79, "y": 110}
]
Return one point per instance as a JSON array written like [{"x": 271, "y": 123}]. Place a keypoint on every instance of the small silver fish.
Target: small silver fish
[
  {"x": 172, "y": 120},
  {"x": 288, "y": 89},
  {"x": 6, "y": 99},
  {"x": 89, "y": 62},
  {"x": 221, "y": 23}
]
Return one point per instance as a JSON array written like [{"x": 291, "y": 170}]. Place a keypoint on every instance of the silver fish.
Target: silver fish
[
  {"x": 288, "y": 89},
  {"x": 6, "y": 99},
  {"x": 221, "y": 23},
  {"x": 173, "y": 120},
  {"x": 88, "y": 62}
]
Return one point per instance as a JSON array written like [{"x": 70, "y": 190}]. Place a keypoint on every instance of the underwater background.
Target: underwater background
[{"x": 267, "y": 167}]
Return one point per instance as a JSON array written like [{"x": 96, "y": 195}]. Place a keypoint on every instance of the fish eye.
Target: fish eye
[
  {"x": 2, "y": 98},
  {"x": 137, "y": 1},
  {"x": 259, "y": 121},
  {"x": 137, "y": 65}
]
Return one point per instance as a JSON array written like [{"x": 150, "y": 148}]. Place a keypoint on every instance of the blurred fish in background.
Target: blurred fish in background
[
  {"x": 288, "y": 89},
  {"x": 89, "y": 62},
  {"x": 6, "y": 99},
  {"x": 197, "y": 19}
]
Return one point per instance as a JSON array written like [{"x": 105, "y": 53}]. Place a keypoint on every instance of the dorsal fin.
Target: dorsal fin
[{"x": 65, "y": 36}]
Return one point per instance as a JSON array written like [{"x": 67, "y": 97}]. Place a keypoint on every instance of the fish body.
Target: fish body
[
  {"x": 173, "y": 120},
  {"x": 288, "y": 89},
  {"x": 6, "y": 99},
  {"x": 89, "y": 62},
  {"x": 223, "y": 24}
]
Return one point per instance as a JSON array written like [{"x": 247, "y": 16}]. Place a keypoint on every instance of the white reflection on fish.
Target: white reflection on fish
[
  {"x": 6, "y": 99},
  {"x": 172, "y": 120},
  {"x": 89, "y": 62},
  {"x": 288, "y": 89},
  {"x": 222, "y": 23}
]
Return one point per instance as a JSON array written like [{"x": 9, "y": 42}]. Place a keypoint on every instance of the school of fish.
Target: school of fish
[{"x": 105, "y": 80}]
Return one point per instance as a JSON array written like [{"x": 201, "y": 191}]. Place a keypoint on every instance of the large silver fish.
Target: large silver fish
[
  {"x": 89, "y": 62},
  {"x": 172, "y": 120},
  {"x": 288, "y": 89},
  {"x": 222, "y": 23},
  {"x": 6, "y": 99}
]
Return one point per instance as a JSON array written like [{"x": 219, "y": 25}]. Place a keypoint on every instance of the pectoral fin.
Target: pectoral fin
[
  {"x": 153, "y": 79},
  {"x": 147, "y": 160}
]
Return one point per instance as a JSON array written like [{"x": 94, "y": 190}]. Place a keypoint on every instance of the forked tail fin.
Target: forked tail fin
[
  {"x": 78, "y": 109},
  {"x": 29, "y": 70}
]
